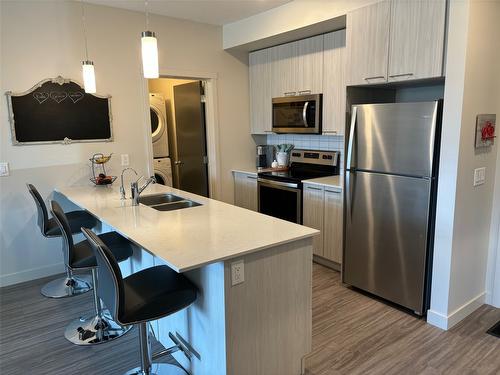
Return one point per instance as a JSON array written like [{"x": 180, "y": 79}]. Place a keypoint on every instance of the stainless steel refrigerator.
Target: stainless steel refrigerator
[{"x": 389, "y": 200}]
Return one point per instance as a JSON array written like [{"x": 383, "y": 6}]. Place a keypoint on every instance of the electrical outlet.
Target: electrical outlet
[
  {"x": 125, "y": 160},
  {"x": 479, "y": 176},
  {"x": 4, "y": 169},
  {"x": 237, "y": 272}
]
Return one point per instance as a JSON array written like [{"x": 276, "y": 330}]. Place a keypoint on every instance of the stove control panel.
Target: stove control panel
[{"x": 315, "y": 157}]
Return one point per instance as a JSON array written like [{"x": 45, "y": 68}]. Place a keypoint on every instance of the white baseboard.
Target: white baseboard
[
  {"x": 31, "y": 274},
  {"x": 448, "y": 321}
]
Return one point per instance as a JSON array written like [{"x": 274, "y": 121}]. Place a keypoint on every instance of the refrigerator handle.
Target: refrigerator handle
[
  {"x": 348, "y": 192},
  {"x": 351, "y": 138}
]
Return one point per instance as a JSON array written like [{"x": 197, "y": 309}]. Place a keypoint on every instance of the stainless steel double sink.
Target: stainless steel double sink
[{"x": 166, "y": 202}]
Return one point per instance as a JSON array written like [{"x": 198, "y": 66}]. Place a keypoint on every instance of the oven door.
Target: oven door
[
  {"x": 280, "y": 199},
  {"x": 297, "y": 114}
]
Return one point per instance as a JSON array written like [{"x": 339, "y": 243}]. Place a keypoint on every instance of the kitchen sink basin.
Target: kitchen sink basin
[
  {"x": 175, "y": 205},
  {"x": 153, "y": 200},
  {"x": 166, "y": 202}
]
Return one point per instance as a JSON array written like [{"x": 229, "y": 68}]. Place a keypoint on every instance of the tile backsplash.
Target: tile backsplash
[{"x": 311, "y": 142}]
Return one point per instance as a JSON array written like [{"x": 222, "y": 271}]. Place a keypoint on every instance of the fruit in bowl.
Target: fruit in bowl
[{"x": 102, "y": 179}]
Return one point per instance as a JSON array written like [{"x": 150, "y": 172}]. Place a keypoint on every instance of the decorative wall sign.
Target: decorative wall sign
[
  {"x": 485, "y": 130},
  {"x": 57, "y": 110}
]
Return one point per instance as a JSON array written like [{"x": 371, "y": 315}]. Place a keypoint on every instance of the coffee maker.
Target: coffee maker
[{"x": 265, "y": 156}]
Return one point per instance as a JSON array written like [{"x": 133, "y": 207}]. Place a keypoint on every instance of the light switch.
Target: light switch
[
  {"x": 125, "y": 160},
  {"x": 479, "y": 176},
  {"x": 4, "y": 169}
]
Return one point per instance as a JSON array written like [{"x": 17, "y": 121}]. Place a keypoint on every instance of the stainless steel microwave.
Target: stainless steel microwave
[{"x": 297, "y": 114}]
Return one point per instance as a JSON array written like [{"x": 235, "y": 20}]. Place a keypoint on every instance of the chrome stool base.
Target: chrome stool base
[
  {"x": 67, "y": 287},
  {"x": 159, "y": 369},
  {"x": 93, "y": 330}
]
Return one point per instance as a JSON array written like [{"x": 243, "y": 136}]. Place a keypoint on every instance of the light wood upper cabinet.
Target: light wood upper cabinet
[
  {"x": 368, "y": 44},
  {"x": 312, "y": 214},
  {"x": 283, "y": 69},
  {"x": 334, "y": 87},
  {"x": 333, "y": 225},
  {"x": 245, "y": 190},
  {"x": 260, "y": 91},
  {"x": 416, "y": 39},
  {"x": 297, "y": 67},
  {"x": 309, "y": 65}
]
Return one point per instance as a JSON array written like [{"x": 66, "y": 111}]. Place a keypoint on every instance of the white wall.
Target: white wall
[
  {"x": 464, "y": 212},
  {"x": 44, "y": 39}
]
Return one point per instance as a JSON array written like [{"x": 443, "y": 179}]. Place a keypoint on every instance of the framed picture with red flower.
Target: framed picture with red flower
[{"x": 485, "y": 130}]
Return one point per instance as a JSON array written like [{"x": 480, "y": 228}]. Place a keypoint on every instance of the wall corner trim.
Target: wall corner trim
[
  {"x": 446, "y": 322},
  {"x": 31, "y": 274}
]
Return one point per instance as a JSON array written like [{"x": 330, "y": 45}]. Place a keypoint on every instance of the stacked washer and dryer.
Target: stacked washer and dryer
[{"x": 161, "y": 160}]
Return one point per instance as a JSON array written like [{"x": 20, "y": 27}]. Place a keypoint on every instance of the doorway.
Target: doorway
[{"x": 179, "y": 133}]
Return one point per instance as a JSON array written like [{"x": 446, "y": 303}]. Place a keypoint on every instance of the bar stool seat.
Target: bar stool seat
[
  {"x": 77, "y": 220},
  {"x": 144, "y": 296},
  {"x": 83, "y": 255}
]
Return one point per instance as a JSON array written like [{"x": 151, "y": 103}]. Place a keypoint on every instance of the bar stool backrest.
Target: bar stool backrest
[
  {"x": 110, "y": 287},
  {"x": 62, "y": 222},
  {"x": 43, "y": 216}
]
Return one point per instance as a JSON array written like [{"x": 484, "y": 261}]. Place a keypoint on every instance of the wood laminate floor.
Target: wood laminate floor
[
  {"x": 356, "y": 334},
  {"x": 352, "y": 334}
]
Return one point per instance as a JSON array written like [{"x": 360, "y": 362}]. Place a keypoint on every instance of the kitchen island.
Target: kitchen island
[{"x": 259, "y": 326}]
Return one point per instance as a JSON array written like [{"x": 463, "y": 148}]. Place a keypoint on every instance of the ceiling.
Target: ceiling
[{"x": 219, "y": 12}]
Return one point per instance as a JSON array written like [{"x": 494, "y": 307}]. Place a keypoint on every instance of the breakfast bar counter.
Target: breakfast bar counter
[{"x": 259, "y": 323}]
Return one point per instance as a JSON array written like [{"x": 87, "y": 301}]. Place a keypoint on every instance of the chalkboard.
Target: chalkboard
[{"x": 59, "y": 111}]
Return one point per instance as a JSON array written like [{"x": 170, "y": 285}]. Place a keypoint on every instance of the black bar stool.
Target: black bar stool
[
  {"x": 99, "y": 327},
  {"x": 70, "y": 285},
  {"x": 147, "y": 295}
]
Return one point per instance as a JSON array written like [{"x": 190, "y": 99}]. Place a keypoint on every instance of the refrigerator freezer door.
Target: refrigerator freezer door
[
  {"x": 386, "y": 236},
  {"x": 395, "y": 138}
]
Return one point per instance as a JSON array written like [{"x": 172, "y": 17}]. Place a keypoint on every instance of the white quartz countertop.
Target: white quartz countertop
[
  {"x": 187, "y": 238},
  {"x": 334, "y": 182}
]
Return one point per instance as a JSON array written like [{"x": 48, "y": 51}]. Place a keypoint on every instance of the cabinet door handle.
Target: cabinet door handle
[
  {"x": 330, "y": 131},
  {"x": 252, "y": 177},
  {"x": 401, "y": 75},
  {"x": 313, "y": 188},
  {"x": 305, "y": 92},
  {"x": 331, "y": 191},
  {"x": 375, "y": 77},
  {"x": 290, "y": 93}
]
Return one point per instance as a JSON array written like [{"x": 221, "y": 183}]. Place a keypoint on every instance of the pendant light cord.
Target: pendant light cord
[
  {"x": 147, "y": 14},
  {"x": 84, "y": 31}
]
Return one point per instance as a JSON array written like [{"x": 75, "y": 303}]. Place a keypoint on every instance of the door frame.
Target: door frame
[{"x": 211, "y": 122}]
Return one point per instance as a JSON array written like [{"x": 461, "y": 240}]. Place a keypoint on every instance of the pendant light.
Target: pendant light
[
  {"x": 149, "y": 49},
  {"x": 87, "y": 65}
]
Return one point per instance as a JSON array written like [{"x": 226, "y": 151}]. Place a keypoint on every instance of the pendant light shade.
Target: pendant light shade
[
  {"x": 88, "y": 77},
  {"x": 87, "y": 65},
  {"x": 149, "y": 47}
]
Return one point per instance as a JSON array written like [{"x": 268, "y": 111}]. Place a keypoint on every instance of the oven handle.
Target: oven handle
[
  {"x": 304, "y": 114},
  {"x": 278, "y": 184}
]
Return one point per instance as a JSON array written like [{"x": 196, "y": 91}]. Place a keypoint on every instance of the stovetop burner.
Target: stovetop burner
[{"x": 305, "y": 165}]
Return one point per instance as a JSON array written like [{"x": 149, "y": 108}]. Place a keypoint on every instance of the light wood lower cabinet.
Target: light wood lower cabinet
[
  {"x": 245, "y": 190},
  {"x": 312, "y": 216},
  {"x": 333, "y": 224},
  {"x": 322, "y": 210}
]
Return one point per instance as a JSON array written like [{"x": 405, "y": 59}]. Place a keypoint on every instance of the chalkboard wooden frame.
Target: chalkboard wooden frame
[{"x": 58, "y": 80}]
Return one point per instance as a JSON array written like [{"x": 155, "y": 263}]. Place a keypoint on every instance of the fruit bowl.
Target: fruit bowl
[{"x": 103, "y": 180}]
